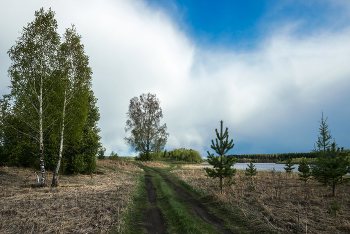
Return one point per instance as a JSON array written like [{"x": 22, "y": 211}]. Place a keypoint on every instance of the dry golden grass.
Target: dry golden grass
[
  {"x": 274, "y": 200},
  {"x": 80, "y": 204},
  {"x": 154, "y": 164},
  {"x": 193, "y": 166}
]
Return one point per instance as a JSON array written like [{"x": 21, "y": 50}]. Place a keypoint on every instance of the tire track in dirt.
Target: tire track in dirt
[
  {"x": 198, "y": 207},
  {"x": 153, "y": 218}
]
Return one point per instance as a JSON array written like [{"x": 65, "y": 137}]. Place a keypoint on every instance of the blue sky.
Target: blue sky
[
  {"x": 243, "y": 24},
  {"x": 266, "y": 68},
  {"x": 207, "y": 22}
]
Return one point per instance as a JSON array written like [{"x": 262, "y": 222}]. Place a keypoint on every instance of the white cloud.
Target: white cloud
[{"x": 261, "y": 95}]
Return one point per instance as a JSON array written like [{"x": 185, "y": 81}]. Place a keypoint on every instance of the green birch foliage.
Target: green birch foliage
[
  {"x": 28, "y": 109},
  {"x": 101, "y": 153},
  {"x": 289, "y": 166},
  {"x": 222, "y": 165},
  {"x": 331, "y": 167},
  {"x": 304, "y": 170},
  {"x": 113, "y": 155},
  {"x": 39, "y": 55},
  {"x": 143, "y": 121}
]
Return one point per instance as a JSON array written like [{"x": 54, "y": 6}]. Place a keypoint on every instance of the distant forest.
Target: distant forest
[{"x": 274, "y": 158}]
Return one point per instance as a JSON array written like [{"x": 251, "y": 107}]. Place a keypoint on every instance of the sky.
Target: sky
[{"x": 266, "y": 68}]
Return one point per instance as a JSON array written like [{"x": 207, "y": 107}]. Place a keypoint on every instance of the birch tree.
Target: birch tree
[
  {"x": 144, "y": 123},
  {"x": 75, "y": 75},
  {"x": 32, "y": 71}
]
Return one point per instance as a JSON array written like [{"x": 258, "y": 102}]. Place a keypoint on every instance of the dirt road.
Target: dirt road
[{"x": 153, "y": 219}]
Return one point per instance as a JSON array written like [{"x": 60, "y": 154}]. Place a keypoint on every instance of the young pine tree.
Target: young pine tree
[
  {"x": 323, "y": 142},
  {"x": 331, "y": 167},
  {"x": 289, "y": 166},
  {"x": 304, "y": 170},
  {"x": 222, "y": 165},
  {"x": 251, "y": 171}
]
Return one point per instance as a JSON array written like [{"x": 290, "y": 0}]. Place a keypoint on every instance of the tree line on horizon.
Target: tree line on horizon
[{"x": 273, "y": 158}]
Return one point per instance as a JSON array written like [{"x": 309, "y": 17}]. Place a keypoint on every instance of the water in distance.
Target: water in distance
[{"x": 258, "y": 166}]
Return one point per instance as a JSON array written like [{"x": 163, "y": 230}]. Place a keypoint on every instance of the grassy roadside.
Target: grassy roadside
[
  {"x": 235, "y": 218},
  {"x": 273, "y": 203},
  {"x": 132, "y": 218},
  {"x": 178, "y": 213}
]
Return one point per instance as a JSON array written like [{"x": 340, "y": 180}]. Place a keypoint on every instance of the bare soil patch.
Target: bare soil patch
[{"x": 80, "y": 204}]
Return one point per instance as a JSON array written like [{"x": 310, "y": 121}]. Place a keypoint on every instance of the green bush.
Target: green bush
[
  {"x": 181, "y": 154},
  {"x": 113, "y": 155}
]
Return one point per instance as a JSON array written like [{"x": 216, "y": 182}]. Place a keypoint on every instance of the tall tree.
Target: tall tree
[
  {"x": 75, "y": 75},
  {"x": 147, "y": 135},
  {"x": 325, "y": 136},
  {"x": 32, "y": 71},
  {"x": 81, "y": 154},
  {"x": 331, "y": 167},
  {"x": 222, "y": 165}
]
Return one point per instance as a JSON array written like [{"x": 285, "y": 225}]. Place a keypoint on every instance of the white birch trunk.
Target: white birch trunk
[
  {"x": 41, "y": 138},
  {"x": 54, "y": 179}
]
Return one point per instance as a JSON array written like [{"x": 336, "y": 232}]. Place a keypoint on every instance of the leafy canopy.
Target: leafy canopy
[{"x": 143, "y": 120}]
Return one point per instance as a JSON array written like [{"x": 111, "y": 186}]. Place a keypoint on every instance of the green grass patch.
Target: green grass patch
[
  {"x": 179, "y": 215},
  {"x": 132, "y": 217},
  {"x": 236, "y": 220}
]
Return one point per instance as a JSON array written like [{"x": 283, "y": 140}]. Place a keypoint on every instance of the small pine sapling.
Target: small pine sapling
[
  {"x": 334, "y": 208},
  {"x": 304, "y": 170},
  {"x": 251, "y": 171},
  {"x": 222, "y": 165},
  {"x": 289, "y": 166}
]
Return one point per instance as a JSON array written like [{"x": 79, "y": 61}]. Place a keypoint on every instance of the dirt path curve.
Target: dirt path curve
[
  {"x": 153, "y": 219},
  {"x": 152, "y": 214},
  {"x": 198, "y": 207}
]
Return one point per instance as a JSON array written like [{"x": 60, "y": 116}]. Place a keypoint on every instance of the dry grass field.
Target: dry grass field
[
  {"x": 154, "y": 164},
  {"x": 80, "y": 204},
  {"x": 275, "y": 198}
]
